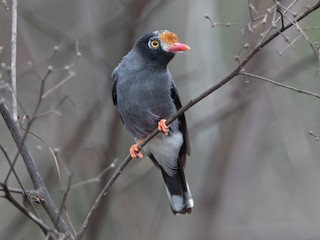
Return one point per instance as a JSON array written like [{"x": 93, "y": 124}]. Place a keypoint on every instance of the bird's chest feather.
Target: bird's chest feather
[
  {"x": 144, "y": 94},
  {"x": 143, "y": 99}
]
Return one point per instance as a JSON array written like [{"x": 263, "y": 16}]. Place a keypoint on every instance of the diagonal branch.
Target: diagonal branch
[
  {"x": 236, "y": 72},
  {"x": 33, "y": 171}
]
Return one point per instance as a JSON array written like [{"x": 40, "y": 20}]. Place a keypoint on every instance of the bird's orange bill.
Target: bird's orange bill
[
  {"x": 134, "y": 150},
  {"x": 162, "y": 127},
  {"x": 178, "y": 47}
]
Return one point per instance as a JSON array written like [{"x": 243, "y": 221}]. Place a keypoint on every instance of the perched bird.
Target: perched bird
[{"x": 145, "y": 95}]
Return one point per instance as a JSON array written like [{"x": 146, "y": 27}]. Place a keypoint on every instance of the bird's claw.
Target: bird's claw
[
  {"x": 134, "y": 150},
  {"x": 162, "y": 127}
]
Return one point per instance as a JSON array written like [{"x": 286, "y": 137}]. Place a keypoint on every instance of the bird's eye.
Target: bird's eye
[{"x": 154, "y": 44}]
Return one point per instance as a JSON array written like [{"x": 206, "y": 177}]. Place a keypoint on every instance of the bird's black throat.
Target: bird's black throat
[{"x": 158, "y": 56}]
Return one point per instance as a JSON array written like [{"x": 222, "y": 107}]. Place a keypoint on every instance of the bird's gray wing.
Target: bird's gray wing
[
  {"x": 185, "y": 148},
  {"x": 114, "y": 76},
  {"x": 114, "y": 85}
]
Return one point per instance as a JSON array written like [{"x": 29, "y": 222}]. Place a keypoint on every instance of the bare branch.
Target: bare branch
[
  {"x": 281, "y": 84},
  {"x": 14, "y": 59},
  {"x": 46, "y": 229},
  {"x": 33, "y": 171}
]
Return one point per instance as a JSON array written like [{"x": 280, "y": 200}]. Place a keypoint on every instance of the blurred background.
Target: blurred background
[{"x": 254, "y": 167}]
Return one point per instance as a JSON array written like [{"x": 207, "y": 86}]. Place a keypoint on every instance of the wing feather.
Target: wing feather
[
  {"x": 185, "y": 148},
  {"x": 114, "y": 85}
]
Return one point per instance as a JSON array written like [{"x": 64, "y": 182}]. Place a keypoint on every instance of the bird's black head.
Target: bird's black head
[{"x": 159, "y": 46}]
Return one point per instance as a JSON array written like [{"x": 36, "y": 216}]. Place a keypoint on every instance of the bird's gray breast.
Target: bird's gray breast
[{"x": 144, "y": 97}]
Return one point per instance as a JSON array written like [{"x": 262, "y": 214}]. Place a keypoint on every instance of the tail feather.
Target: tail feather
[{"x": 178, "y": 191}]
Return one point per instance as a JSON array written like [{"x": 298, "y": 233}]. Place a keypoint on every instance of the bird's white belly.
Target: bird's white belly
[{"x": 165, "y": 150}]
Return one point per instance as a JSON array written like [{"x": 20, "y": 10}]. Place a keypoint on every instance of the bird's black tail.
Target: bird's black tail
[{"x": 178, "y": 191}]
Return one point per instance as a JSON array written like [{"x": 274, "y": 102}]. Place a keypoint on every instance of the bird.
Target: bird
[{"x": 145, "y": 95}]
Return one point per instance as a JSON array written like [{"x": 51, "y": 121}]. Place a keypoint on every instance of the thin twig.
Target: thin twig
[
  {"x": 97, "y": 178},
  {"x": 5, "y": 5},
  {"x": 64, "y": 199},
  {"x": 14, "y": 59},
  {"x": 11, "y": 167},
  {"x": 316, "y": 137},
  {"x": 57, "y": 86},
  {"x": 12, "y": 190},
  {"x": 192, "y": 102},
  {"x": 281, "y": 84}
]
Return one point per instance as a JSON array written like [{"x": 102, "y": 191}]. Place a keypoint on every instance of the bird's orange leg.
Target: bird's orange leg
[
  {"x": 134, "y": 151},
  {"x": 162, "y": 127}
]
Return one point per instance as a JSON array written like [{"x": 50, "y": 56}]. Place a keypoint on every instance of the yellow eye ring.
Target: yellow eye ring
[{"x": 154, "y": 44}]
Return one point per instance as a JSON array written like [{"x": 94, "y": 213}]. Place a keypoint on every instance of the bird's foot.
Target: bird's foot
[
  {"x": 134, "y": 150},
  {"x": 162, "y": 127}
]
